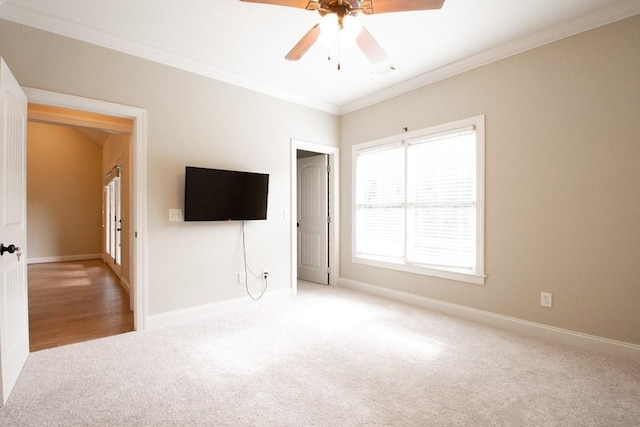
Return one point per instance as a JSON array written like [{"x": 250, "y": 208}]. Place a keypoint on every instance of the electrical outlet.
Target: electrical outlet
[
  {"x": 545, "y": 299},
  {"x": 265, "y": 274},
  {"x": 242, "y": 279}
]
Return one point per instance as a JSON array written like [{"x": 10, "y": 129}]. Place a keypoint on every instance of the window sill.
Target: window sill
[{"x": 460, "y": 276}]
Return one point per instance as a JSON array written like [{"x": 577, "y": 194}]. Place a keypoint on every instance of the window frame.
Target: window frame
[{"x": 475, "y": 276}]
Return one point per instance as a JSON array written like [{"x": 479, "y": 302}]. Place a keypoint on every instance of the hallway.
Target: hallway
[{"x": 76, "y": 301}]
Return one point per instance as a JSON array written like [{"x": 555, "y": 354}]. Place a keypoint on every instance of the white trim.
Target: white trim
[
  {"x": 63, "y": 258},
  {"x": 57, "y": 25},
  {"x": 606, "y": 15},
  {"x": 138, "y": 231},
  {"x": 428, "y": 132},
  {"x": 54, "y": 24},
  {"x": 177, "y": 317},
  {"x": 549, "y": 333},
  {"x": 460, "y": 276},
  {"x": 480, "y": 195},
  {"x": 334, "y": 208},
  {"x": 138, "y": 234},
  {"x": 91, "y": 122},
  {"x": 56, "y": 99},
  {"x": 404, "y": 140}
]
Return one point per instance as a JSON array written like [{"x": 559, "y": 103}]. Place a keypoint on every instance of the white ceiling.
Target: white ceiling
[{"x": 245, "y": 43}]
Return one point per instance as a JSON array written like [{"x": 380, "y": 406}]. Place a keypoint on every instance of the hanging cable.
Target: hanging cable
[{"x": 247, "y": 269}]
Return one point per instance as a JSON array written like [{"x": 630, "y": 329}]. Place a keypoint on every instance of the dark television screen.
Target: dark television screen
[{"x": 223, "y": 195}]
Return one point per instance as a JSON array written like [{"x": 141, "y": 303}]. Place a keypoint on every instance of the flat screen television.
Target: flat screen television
[{"x": 224, "y": 195}]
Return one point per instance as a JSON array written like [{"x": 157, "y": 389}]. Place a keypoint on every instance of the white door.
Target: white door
[
  {"x": 14, "y": 314},
  {"x": 313, "y": 219},
  {"x": 112, "y": 224}
]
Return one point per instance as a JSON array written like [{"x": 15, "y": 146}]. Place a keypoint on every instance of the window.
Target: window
[
  {"x": 112, "y": 220},
  {"x": 419, "y": 201}
]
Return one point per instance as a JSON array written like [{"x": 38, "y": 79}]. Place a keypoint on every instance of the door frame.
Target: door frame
[
  {"x": 316, "y": 221},
  {"x": 334, "y": 209},
  {"x": 138, "y": 230}
]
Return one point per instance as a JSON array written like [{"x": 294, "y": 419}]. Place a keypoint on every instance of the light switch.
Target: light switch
[{"x": 175, "y": 215}]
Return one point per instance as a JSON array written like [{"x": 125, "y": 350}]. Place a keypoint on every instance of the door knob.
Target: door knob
[{"x": 11, "y": 249}]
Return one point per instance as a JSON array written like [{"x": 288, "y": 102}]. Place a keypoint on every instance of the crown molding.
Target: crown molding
[
  {"x": 64, "y": 27},
  {"x": 54, "y": 24},
  {"x": 603, "y": 16}
]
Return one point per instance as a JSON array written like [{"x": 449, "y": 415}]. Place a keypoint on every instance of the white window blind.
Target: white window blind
[
  {"x": 417, "y": 200},
  {"x": 380, "y": 202},
  {"x": 441, "y": 201}
]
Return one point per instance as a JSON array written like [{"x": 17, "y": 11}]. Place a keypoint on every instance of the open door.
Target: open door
[
  {"x": 112, "y": 220},
  {"x": 313, "y": 219},
  {"x": 14, "y": 309}
]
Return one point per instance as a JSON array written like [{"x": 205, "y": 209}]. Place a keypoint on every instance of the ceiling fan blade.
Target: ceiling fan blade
[
  {"x": 370, "y": 7},
  {"x": 370, "y": 47},
  {"x": 304, "y": 44},
  {"x": 303, "y": 4}
]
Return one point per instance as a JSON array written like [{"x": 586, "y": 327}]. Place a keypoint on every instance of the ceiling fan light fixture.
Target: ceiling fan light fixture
[
  {"x": 328, "y": 29},
  {"x": 339, "y": 24},
  {"x": 345, "y": 29},
  {"x": 346, "y": 40},
  {"x": 351, "y": 26}
]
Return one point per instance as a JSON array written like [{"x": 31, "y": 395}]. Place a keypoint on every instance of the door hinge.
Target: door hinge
[
  {"x": 328, "y": 270},
  {"x": 328, "y": 220},
  {"x": 328, "y": 168}
]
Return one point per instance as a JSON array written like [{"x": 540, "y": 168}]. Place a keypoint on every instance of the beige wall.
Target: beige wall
[
  {"x": 562, "y": 181},
  {"x": 117, "y": 150},
  {"x": 192, "y": 120},
  {"x": 63, "y": 192}
]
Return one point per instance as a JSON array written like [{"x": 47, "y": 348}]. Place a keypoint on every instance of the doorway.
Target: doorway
[
  {"x": 312, "y": 216},
  {"x": 78, "y": 288},
  {"x": 14, "y": 345},
  {"x": 314, "y": 233},
  {"x": 138, "y": 187}
]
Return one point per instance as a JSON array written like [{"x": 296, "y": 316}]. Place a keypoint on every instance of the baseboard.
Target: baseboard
[
  {"x": 538, "y": 330},
  {"x": 63, "y": 258},
  {"x": 162, "y": 320},
  {"x": 126, "y": 285}
]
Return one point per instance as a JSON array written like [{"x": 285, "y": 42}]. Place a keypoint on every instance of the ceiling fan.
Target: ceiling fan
[{"x": 338, "y": 20}]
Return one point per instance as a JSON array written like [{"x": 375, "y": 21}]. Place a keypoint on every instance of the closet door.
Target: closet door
[{"x": 313, "y": 219}]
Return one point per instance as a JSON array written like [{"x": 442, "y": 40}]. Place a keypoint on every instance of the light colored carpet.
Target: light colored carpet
[{"x": 330, "y": 357}]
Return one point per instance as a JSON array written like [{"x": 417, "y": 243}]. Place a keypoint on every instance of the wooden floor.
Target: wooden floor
[{"x": 77, "y": 301}]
